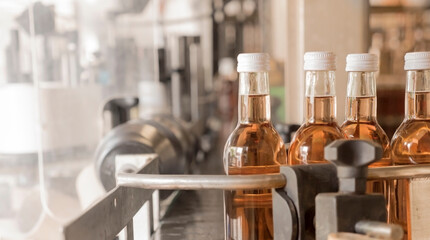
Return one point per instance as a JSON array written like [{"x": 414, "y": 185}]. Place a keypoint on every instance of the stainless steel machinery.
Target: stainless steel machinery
[
  {"x": 295, "y": 206},
  {"x": 108, "y": 110},
  {"x": 163, "y": 135}
]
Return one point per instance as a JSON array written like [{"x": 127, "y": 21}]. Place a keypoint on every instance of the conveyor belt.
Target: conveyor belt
[{"x": 196, "y": 214}]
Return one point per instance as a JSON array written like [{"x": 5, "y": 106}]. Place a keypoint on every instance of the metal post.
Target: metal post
[{"x": 129, "y": 228}]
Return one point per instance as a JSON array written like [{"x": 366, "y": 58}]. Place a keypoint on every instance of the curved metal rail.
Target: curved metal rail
[
  {"x": 261, "y": 181},
  {"x": 189, "y": 182},
  {"x": 399, "y": 172}
]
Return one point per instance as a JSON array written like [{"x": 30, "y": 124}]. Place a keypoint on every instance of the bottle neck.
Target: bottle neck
[
  {"x": 417, "y": 102},
  {"x": 320, "y": 97},
  {"x": 361, "y": 97},
  {"x": 254, "y": 98}
]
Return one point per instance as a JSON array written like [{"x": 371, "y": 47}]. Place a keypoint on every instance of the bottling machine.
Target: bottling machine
[{"x": 114, "y": 114}]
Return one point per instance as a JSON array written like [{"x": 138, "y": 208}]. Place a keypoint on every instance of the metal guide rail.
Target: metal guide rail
[
  {"x": 118, "y": 210},
  {"x": 221, "y": 182}
]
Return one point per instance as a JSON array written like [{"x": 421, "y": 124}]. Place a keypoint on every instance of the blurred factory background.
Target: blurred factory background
[{"x": 78, "y": 78}]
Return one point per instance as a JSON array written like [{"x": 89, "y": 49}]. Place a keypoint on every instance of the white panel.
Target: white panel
[
  {"x": 18, "y": 121},
  {"x": 294, "y": 77},
  {"x": 141, "y": 223},
  {"x": 156, "y": 210},
  {"x": 340, "y": 26},
  {"x": 70, "y": 116},
  {"x": 278, "y": 25},
  {"x": 419, "y": 200}
]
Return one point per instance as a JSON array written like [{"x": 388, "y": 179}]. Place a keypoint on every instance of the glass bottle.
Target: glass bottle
[
  {"x": 361, "y": 122},
  {"x": 254, "y": 147},
  {"x": 320, "y": 127},
  {"x": 411, "y": 145}
]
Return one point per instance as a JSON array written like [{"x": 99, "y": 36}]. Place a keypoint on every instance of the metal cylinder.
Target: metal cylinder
[
  {"x": 161, "y": 135},
  {"x": 379, "y": 230},
  {"x": 192, "y": 182},
  {"x": 348, "y": 236},
  {"x": 163, "y": 181},
  {"x": 247, "y": 181},
  {"x": 399, "y": 172}
]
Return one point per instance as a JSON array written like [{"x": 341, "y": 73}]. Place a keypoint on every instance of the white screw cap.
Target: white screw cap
[
  {"x": 362, "y": 62},
  {"x": 320, "y": 61},
  {"x": 417, "y": 61},
  {"x": 253, "y": 62}
]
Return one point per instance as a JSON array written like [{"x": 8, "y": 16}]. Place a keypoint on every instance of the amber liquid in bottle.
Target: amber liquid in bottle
[
  {"x": 410, "y": 145},
  {"x": 254, "y": 147},
  {"x": 310, "y": 139},
  {"x": 361, "y": 123},
  {"x": 320, "y": 127}
]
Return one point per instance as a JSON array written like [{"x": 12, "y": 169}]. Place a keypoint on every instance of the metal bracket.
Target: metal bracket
[
  {"x": 293, "y": 203},
  {"x": 285, "y": 213},
  {"x": 317, "y": 178},
  {"x": 107, "y": 217}
]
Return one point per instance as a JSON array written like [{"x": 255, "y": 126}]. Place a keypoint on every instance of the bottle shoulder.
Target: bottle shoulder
[
  {"x": 411, "y": 142},
  {"x": 252, "y": 145},
  {"x": 366, "y": 130},
  {"x": 371, "y": 131},
  {"x": 309, "y": 141},
  {"x": 261, "y": 131},
  {"x": 330, "y": 130},
  {"x": 411, "y": 129}
]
